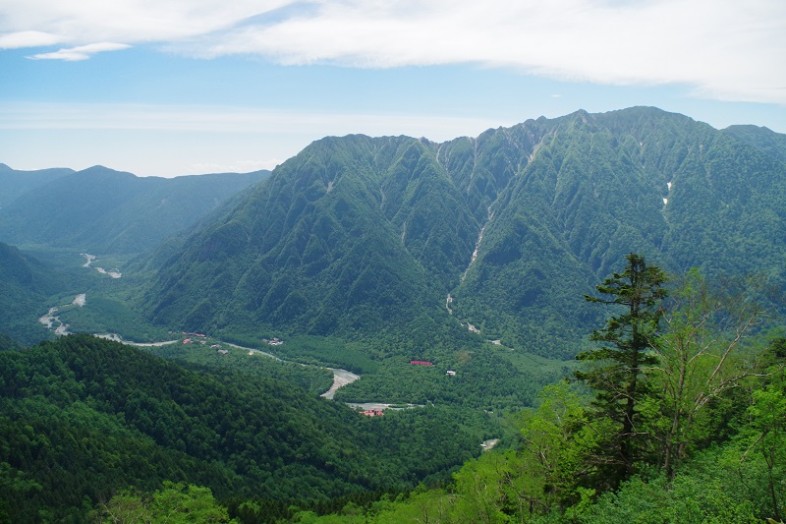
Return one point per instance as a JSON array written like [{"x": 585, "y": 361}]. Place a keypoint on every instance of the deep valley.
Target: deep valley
[{"x": 443, "y": 289}]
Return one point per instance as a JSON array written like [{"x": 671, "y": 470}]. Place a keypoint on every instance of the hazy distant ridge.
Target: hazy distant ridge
[{"x": 106, "y": 211}]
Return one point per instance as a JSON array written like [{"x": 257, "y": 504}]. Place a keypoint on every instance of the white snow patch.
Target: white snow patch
[{"x": 80, "y": 300}]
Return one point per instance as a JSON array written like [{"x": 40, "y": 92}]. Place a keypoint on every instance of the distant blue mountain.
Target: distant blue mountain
[{"x": 105, "y": 211}]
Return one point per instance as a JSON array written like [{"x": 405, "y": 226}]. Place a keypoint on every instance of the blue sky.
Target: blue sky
[{"x": 176, "y": 87}]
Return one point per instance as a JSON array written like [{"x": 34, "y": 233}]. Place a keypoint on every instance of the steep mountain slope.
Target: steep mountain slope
[
  {"x": 24, "y": 283},
  {"x": 502, "y": 234},
  {"x": 105, "y": 211},
  {"x": 352, "y": 234},
  {"x": 600, "y": 186}
]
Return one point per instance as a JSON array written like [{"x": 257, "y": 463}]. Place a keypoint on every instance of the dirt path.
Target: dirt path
[{"x": 252, "y": 351}]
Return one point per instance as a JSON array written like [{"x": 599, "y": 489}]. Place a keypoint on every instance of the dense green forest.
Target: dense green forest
[
  {"x": 83, "y": 418},
  {"x": 25, "y": 285},
  {"x": 495, "y": 236},
  {"x": 497, "y": 260},
  {"x": 677, "y": 413},
  {"x": 677, "y": 416}
]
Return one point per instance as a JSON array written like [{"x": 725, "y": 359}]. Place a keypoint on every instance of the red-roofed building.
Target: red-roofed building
[{"x": 420, "y": 363}]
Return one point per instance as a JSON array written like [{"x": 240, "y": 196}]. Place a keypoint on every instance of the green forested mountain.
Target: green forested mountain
[
  {"x": 24, "y": 284},
  {"x": 499, "y": 234},
  {"x": 100, "y": 210},
  {"x": 761, "y": 138},
  {"x": 403, "y": 249},
  {"x": 83, "y": 418},
  {"x": 347, "y": 236},
  {"x": 15, "y": 183}
]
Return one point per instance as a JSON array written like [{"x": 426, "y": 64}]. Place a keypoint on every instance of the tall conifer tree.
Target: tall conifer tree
[{"x": 626, "y": 343}]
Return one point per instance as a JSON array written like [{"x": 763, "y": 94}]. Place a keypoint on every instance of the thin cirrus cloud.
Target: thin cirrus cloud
[
  {"x": 222, "y": 119},
  {"x": 82, "y": 52},
  {"x": 721, "y": 48}
]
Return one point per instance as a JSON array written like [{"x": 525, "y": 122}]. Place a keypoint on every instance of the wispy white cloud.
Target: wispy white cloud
[
  {"x": 231, "y": 120},
  {"x": 165, "y": 140},
  {"x": 720, "y": 47},
  {"x": 82, "y": 52}
]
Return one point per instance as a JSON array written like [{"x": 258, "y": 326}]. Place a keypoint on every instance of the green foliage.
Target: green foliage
[
  {"x": 723, "y": 425},
  {"x": 322, "y": 249},
  {"x": 103, "y": 314},
  {"x": 560, "y": 442},
  {"x": 698, "y": 363},
  {"x": 176, "y": 503},
  {"x": 489, "y": 378},
  {"x": 618, "y": 377},
  {"x": 236, "y": 361},
  {"x": 688, "y": 500},
  {"x": 82, "y": 418},
  {"x": 365, "y": 238},
  {"x": 25, "y": 283}
]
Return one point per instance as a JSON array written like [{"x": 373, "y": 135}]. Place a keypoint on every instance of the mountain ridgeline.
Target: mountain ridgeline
[
  {"x": 101, "y": 210},
  {"x": 498, "y": 235}
]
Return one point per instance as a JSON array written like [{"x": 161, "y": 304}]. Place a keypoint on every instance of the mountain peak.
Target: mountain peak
[{"x": 103, "y": 170}]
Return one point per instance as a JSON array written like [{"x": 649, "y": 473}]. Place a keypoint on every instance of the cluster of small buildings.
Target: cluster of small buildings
[
  {"x": 275, "y": 341},
  {"x": 426, "y": 363},
  {"x": 189, "y": 338},
  {"x": 201, "y": 338},
  {"x": 372, "y": 412}
]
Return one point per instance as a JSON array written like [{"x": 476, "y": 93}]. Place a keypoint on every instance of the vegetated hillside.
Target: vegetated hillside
[
  {"x": 15, "y": 183},
  {"x": 81, "y": 418},
  {"x": 351, "y": 235},
  {"x": 597, "y": 187},
  {"x": 24, "y": 283},
  {"x": 761, "y": 138},
  {"x": 105, "y": 211},
  {"x": 500, "y": 234}
]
